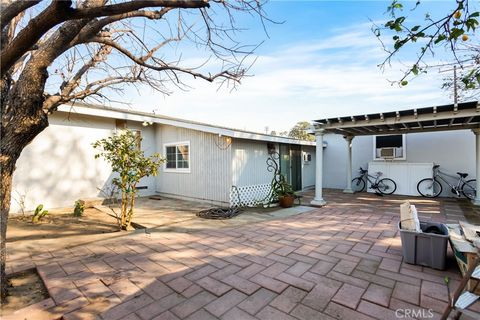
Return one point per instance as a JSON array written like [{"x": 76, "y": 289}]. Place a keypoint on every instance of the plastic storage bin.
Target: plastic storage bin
[{"x": 426, "y": 249}]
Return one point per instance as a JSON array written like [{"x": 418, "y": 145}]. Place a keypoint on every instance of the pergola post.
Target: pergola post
[
  {"x": 318, "y": 200},
  {"x": 349, "y": 139},
  {"x": 476, "y": 131}
]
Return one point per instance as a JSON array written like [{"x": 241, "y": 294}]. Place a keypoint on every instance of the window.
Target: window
[
  {"x": 178, "y": 157},
  {"x": 389, "y": 147}
]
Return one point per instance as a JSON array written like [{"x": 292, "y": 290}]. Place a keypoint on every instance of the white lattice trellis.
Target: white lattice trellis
[{"x": 249, "y": 196}]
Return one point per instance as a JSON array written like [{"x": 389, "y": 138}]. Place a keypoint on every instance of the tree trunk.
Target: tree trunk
[
  {"x": 130, "y": 210},
  {"x": 123, "y": 211},
  {"x": 6, "y": 173},
  {"x": 17, "y": 130},
  {"x": 23, "y": 117}
]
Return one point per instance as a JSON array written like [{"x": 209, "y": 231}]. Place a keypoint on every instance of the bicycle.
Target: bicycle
[
  {"x": 432, "y": 188},
  {"x": 384, "y": 186}
]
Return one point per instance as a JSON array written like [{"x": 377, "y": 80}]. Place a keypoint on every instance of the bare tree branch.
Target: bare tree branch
[
  {"x": 14, "y": 9},
  {"x": 223, "y": 74},
  {"x": 61, "y": 10},
  {"x": 67, "y": 87},
  {"x": 96, "y": 26}
]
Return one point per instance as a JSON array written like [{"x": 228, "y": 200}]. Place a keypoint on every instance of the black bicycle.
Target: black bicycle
[
  {"x": 432, "y": 188},
  {"x": 384, "y": 186}
]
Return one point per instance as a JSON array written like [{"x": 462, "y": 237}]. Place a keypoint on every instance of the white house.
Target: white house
[
  {"x": 206, "y": 163},
  {"x": 216, "y": 164}
]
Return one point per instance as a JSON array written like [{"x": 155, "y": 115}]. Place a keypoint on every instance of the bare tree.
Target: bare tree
[{"x": 55, "y": 52}]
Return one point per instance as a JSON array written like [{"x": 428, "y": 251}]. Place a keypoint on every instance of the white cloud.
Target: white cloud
[{"x": 304, "y": 81}]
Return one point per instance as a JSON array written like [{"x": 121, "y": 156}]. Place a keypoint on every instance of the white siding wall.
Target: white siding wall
[
  {"x": 249, "y": 163},
  {"x": 210, "y": 166},
  {"x": 453, "y": 150},
  {"x": 59, "y": 167},
  {"x": 308, "y": 169}
]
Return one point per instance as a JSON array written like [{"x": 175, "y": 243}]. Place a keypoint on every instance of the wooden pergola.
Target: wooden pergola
[{"x": 459, "y": 116}]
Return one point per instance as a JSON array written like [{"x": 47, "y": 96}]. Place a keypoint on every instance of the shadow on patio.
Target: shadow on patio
[{"x": 341, "y": 261}]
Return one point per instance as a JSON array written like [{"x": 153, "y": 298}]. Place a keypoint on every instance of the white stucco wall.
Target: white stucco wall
[
  {"x": 453, "y": 150},
  {"x": 335, "y": 159},
  {"x": 209, "y": 178},
  {"x": 59, "y": 167}
]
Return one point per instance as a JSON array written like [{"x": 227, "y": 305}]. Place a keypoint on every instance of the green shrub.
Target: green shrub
[
  {"x": 281, "y": 187},
  {"x": 79, "y": 208},
  {"x": 129, "y": 161},
  {"x": 39, "y": 213}
]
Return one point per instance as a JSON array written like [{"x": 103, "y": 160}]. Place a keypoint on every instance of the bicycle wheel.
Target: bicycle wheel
[
  {"x": 358, "y": 185},
  {"x": 469, "y": 189},
  {"x": 429, "y": 188},
  {"x": 386, "y": 186}
]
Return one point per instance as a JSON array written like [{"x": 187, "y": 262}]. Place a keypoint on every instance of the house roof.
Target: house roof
[
  {"x": 123, "y": 114},
  {"x": 439, "y": 118}
]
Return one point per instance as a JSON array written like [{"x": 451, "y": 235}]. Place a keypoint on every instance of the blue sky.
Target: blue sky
[{"x": 321, "y": 62}]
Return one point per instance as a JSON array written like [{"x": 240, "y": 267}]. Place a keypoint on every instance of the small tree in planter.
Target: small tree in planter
[
  {"x": 129, "y": 161},
  {"x": 284, "y": 191}
]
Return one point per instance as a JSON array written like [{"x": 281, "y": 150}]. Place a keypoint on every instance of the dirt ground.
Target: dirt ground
[
  {"x": 59, "y": 223},
  {"x": 25, "y": 238},
  {"x": 24, "y": 288}
]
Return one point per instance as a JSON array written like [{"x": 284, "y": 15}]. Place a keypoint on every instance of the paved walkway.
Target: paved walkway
[{"x": 342, "y": 261}]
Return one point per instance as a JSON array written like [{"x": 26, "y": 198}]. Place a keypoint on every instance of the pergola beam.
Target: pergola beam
[
  {"x": 419, "y": 118},
  {"x": 350, "y": 132},
  {"x": 361, "y": 130},
  {"x": 404, "y": 130}
]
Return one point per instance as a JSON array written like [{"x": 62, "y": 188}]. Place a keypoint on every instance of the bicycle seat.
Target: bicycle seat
[
  {"x": 463, "y": 175},
  {"x": 436, "y": 166},
  {"x": 378, "y": 173}
]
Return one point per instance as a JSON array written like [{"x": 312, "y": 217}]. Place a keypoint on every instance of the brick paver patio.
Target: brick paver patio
[{"x": 342, "y": 261}]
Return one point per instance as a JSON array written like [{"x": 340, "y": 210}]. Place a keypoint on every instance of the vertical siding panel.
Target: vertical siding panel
[
  {"x": 249, "y": 163},
  {"x": 210, "y": 166}
]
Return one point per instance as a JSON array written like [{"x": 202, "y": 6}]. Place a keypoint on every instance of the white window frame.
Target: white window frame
[
  {"x": 175, "y": 144},
  {"x": 404, "y": 146}
]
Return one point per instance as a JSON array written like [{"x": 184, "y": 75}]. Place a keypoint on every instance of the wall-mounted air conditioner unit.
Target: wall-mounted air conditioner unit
[
  {"x": 307, "y": 157},
  {"x": 387, "y": 152}
]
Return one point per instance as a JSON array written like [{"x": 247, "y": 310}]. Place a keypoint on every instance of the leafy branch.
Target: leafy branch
[{"x": 453, "y": 31}]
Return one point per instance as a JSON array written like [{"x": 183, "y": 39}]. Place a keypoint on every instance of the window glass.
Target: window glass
[
  {"x": 391, "y": 145},
  {"x": 177, "y": 156},
  {"x": 394, "y": 141}
]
